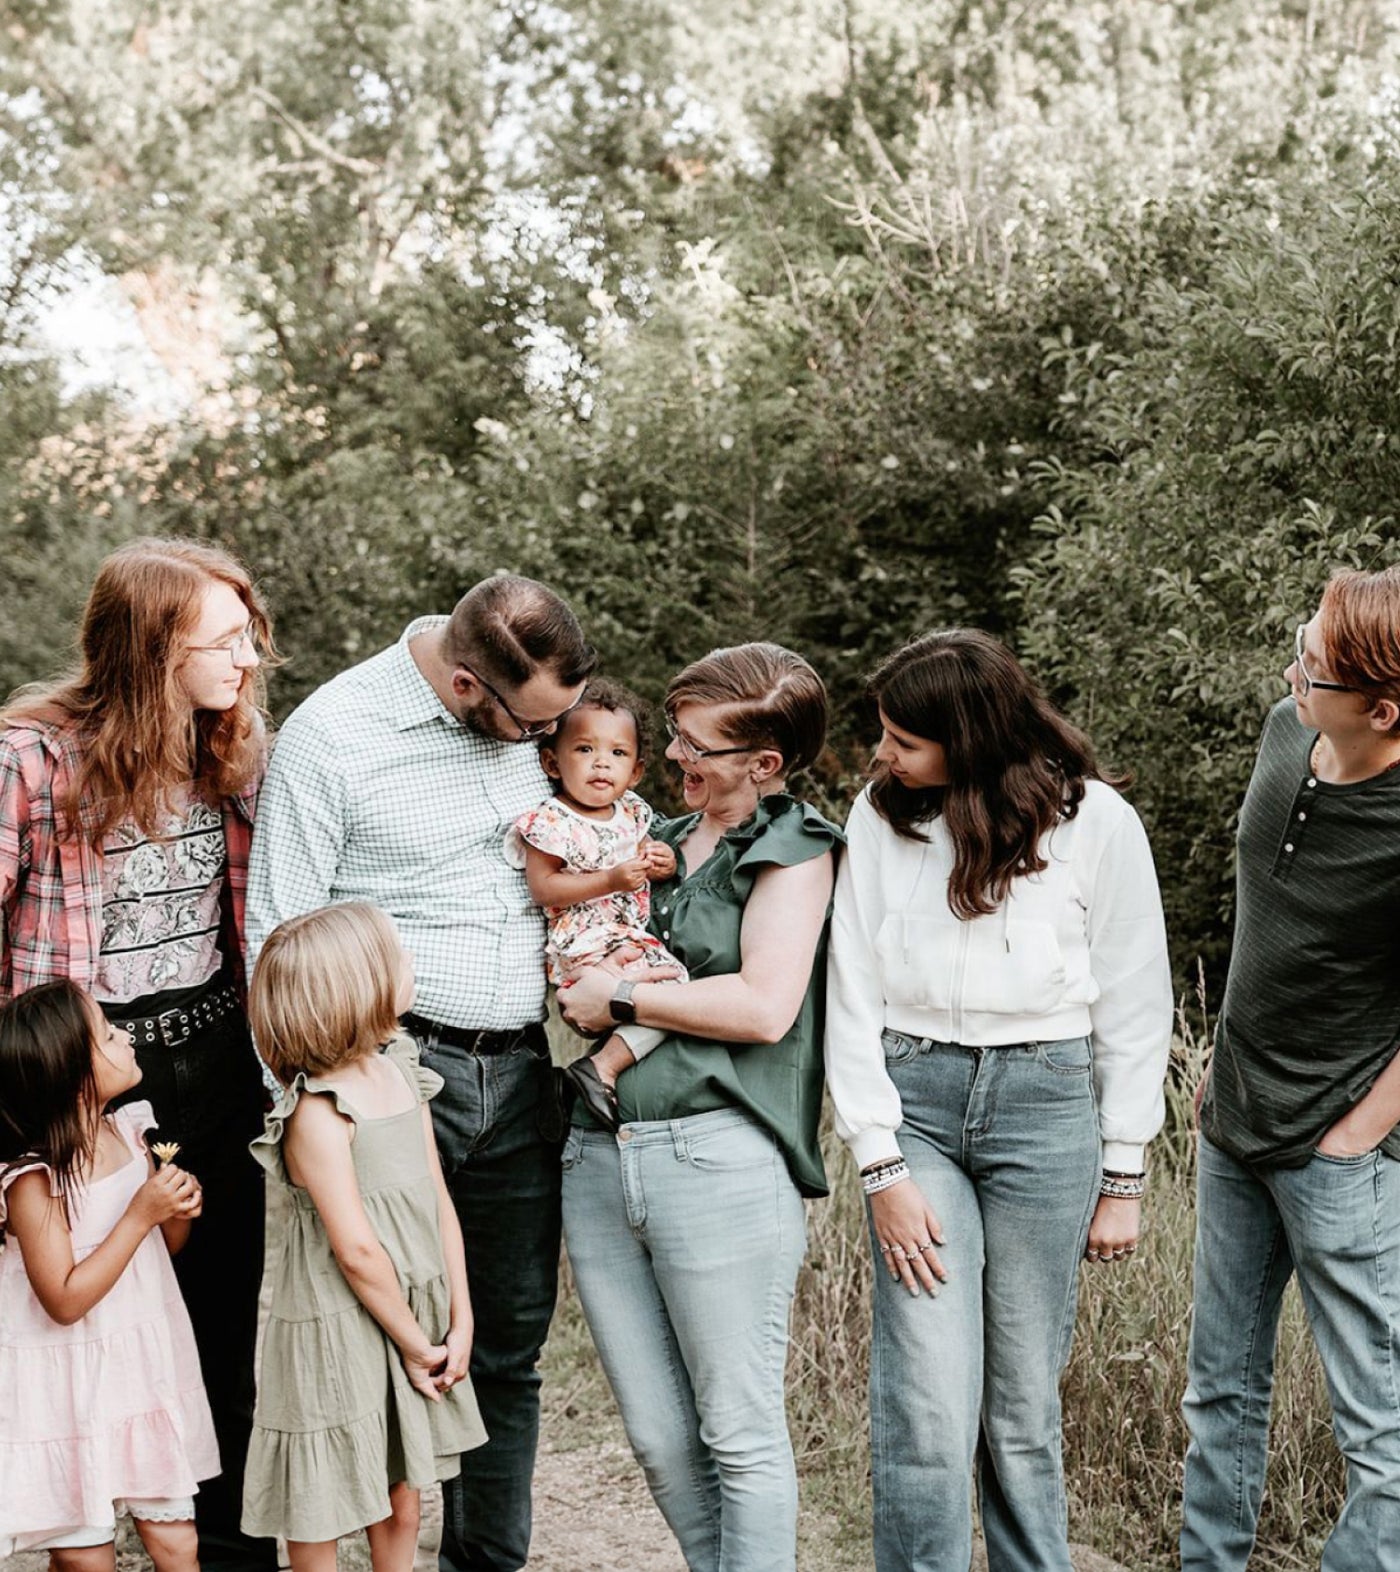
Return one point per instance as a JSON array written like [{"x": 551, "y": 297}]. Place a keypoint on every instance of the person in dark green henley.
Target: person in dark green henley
[
  {"x": 1299, "y": 1156},
  {"x": 685, "y": 1225}
]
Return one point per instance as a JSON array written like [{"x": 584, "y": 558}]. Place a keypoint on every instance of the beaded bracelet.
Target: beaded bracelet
[
  {"x": 883, "y": 1176},
  {"x": 1123, "y": 1187}
]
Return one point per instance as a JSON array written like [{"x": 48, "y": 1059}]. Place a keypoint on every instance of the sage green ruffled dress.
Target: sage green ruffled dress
[{"x": 337, "y": 1422}]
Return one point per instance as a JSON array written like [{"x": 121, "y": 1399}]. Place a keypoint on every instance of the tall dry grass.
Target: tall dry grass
[{"x": 1124, "y": 1438}]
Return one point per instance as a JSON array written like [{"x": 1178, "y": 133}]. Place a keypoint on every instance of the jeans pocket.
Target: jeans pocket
[
  {"x": 1067, "y": 1056},
  {"x": 730, "y": 1148},
  {"x": 1354, "y": 1160},
  {"x": 572, "y": 1154},
  {"x": 899, "y": 1048}
]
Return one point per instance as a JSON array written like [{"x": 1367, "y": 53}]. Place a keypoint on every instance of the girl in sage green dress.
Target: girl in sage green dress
[{"x": 363, "y": 1394}]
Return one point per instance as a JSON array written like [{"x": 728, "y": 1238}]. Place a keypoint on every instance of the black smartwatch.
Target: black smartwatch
[{"x": 624, "y": 1012}]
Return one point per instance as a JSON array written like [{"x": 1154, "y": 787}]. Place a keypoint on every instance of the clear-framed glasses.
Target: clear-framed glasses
[
  {"x": 1306, "y": 681},
  {"x": 529, "y": 730},
  {"x": 693, "y": 755},
  {"x": 242, "y": 643}
]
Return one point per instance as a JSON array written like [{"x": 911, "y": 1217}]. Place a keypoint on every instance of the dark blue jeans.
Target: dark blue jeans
[
  {"x": 499, "y": 1132},
  {"x": 208, "y": 1095}
]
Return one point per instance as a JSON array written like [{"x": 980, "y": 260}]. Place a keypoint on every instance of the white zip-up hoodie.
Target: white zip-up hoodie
[{"x": 1079, "y": 949}]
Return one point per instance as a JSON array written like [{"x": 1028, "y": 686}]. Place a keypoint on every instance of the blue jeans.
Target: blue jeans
[
  {"x": 1336, "y": 1222},
  {"x": 685, "y": 1237},
  {"x": 1004, "y": 1144},
  {"x": 492, "y": 1120}
]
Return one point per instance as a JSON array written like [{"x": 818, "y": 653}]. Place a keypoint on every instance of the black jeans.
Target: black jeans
[
  {"x": 208, "y": 1095},
  {"x": 499, "y": 1131}
]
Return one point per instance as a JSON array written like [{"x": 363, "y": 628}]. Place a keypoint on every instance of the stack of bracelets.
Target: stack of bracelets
[
  {"x": 880, "y": 1176},
  {"x": 1116, "y": 1186},
  {"x": 1123, "y": 1187}
]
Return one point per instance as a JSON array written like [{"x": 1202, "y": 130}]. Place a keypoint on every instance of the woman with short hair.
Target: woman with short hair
[
  {"x": 126, "y": 801},
  {"x": 686, "y": 1228}
]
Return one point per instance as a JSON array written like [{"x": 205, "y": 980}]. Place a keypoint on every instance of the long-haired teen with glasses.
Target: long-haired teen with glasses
[
  {"x": 999, "y": 1013},
  {"x": 1298, "y": 1163},
  {"x": 126, "y": 798}
]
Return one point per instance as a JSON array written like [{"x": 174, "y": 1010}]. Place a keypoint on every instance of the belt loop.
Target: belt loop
[{"x": 679, "y": 1141}]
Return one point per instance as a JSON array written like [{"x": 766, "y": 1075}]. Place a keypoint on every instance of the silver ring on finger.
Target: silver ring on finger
[
  {"x": 885, "y": 1249},
  {"x": 898, "y": 1253},
  {"x": 926, "y": 1245},
  {"x": 1093, "y": 1255}
]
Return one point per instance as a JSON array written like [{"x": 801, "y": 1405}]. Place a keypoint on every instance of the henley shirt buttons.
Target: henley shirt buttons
[
  {"x": 1301, "y": 817},
  {"x": 1288, "y": 847},
  {"x": 1312, "y": 781}
]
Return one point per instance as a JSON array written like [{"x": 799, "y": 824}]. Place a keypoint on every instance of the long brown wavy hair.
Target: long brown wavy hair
[
  {"x": 138, "y": 735},
  {"x": 1016, "y": 766}
]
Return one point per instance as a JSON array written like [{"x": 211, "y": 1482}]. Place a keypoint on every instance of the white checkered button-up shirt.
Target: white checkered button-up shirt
[{"x": 376, "y": 793}]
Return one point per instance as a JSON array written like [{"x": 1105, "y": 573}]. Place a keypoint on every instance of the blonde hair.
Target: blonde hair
[{"x": 324, "y": 989}]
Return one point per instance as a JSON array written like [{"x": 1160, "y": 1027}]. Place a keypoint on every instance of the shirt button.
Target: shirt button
[
  {"x": 665, "y": 933},
  {"x": 1312, "y": 780},
  {"x": 1301, "y": 817},
  {"x": 1289, "y": 847}
]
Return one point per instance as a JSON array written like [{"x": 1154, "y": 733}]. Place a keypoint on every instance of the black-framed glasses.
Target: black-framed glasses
[
  {"x": 529, "y": 730},
  {"x": 1308, "y": 682},
  {"x": 693, "y": 755}
]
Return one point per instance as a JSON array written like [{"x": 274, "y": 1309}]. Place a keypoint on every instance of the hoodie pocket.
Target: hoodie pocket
[
  {"x": 1014, "y": 967},
  {"x": 918, "y": 956}
]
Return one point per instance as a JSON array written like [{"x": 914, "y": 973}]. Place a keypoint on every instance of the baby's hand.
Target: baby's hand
[
  {"x": 629, "y": 875},
  {"x": 421, "y": 1369},
  {"x": 169, "y": 1193},
  {"x": 660, "y": 860}
]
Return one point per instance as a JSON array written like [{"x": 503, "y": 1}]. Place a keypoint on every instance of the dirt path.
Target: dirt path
[{"x": 592, "y": 1514}]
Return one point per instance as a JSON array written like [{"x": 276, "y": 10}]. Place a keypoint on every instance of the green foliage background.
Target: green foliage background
[{"x": 825, "y": 321}]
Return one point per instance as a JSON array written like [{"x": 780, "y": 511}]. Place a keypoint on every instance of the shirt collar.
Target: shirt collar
[{"x": 414, "y": 700}]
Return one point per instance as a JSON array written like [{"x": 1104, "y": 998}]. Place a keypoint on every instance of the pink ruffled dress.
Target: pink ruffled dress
[{"x": 113, "y": 1407}]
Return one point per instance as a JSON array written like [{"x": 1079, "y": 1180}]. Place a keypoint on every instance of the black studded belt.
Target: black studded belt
[{"x": 172, "y": 1027}]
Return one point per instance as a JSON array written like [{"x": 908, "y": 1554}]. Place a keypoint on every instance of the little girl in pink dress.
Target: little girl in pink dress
[{"x": 102, "y": 1408}]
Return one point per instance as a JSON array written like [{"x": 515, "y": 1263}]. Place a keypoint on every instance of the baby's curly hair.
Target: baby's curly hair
[{"x": 604, "y": 694}]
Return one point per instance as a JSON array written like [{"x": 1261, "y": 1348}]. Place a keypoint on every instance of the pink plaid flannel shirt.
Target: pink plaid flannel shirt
[{"x": 51, "y": 888}]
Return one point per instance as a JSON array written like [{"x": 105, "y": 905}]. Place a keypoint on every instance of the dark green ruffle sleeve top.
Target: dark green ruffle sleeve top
[{"x": 698, "y": 914}]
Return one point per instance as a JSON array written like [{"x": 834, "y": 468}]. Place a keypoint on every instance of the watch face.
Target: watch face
[{"x": 623, "y": 1009}]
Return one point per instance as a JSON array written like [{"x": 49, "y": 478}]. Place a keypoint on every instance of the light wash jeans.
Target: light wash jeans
[
  {"x": 685, "y": 1237},
  {"x": 1004, "y": 1144},
  {"x": 1336, "y": 1222}
]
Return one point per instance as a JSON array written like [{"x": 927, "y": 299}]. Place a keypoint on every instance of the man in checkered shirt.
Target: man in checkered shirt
[{"x": 395, "y": 783}]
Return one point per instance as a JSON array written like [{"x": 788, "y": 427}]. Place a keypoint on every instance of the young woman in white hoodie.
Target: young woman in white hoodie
[{"x": 999, "y": 1016}]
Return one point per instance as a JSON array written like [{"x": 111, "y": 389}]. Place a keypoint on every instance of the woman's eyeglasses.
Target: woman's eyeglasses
[{"x": 693, "y": 755}]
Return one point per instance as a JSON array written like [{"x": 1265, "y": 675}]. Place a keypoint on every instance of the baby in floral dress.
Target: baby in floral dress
[{"x": 590, "y": 864}]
